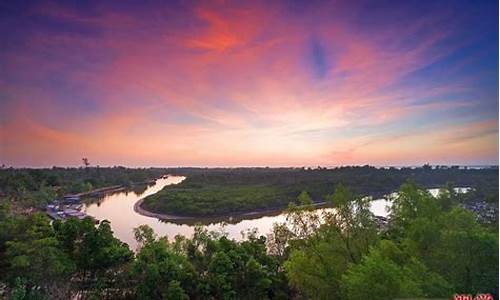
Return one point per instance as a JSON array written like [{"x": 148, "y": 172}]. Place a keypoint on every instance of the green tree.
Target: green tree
[
  {"x": 446, "y": 238},
  {"x": 467, "y": 253},
  {"x": 37, "y": 258},
  {"x": 387, "y": 273},
  {"x": 410, "y": 204},
  {"x": 101, "y": 259},
  {"x": 321, "y": 252},
  {"x": 144, "y": 235},
  {"x": 161, "y": 273}
]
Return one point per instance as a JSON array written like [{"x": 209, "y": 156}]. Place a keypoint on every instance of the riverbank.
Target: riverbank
[
  {"x": 71, "y": 205},
  {"x": 228, "y": 218},
  {"x": 112, "y": 189},
  {"x": 138, "y": 209},
  {"x": 99, "y": 191},
  {"x": 233, "y": 218}
]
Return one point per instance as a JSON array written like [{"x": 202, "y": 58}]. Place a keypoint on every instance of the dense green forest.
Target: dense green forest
[
  {"x": 211, "y": 192},
  {"x": 431, "y": 248}
]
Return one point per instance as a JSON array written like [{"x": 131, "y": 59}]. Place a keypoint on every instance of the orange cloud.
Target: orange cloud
[{"x": 235, "y": 85}]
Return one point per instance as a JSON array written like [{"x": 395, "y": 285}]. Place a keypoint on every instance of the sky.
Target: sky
[{"x": 248, "y": 83}]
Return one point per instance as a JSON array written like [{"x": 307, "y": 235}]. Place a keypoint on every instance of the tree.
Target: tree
[
  {"x": 315, "y": 270},
  {"x": 278, "y": 241},
  {"x": 387, "y": 273},
  {"x": 433, "y": 246},
  {"x": 447, "y": 239},
  {"x": 161, "y": 273},
  {"x": 229, "y": 269},
  {"x": 98, "y": 255},
  {"x": 410, "y": 204},
  {"x": 467, "y": 254},
  {"x": 447, "y": 197},
  {"x": 304, "y": 198},
  {"x": 321, "y": 252},
  {"x": 86, "y": 162},
  {"x": 36, "y": 258},
  {"x": 144, "y": 235}
]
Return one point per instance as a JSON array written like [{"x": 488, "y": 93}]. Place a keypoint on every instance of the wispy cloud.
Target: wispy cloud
[{"x": 244, "y": 84}]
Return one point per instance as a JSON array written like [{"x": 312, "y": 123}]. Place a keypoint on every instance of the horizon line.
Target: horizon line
[{"x": 255, "y": 166}]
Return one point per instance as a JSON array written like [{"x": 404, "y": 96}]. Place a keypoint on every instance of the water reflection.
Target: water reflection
[{"x": 118, "y": 208}]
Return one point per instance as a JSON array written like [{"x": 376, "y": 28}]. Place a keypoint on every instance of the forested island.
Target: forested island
[
  {"x": 220, "y": 191},
  {"x": 431, "y": 247}
]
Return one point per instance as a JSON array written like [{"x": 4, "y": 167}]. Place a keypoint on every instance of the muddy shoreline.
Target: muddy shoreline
[{"x": 230, "y": 218}]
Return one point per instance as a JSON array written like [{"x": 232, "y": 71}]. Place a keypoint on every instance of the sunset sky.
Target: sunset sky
[{"x": 248, "y": 83}]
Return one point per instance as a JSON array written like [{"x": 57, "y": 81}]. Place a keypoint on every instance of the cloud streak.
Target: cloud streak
[{"x": 246, "y": 84}]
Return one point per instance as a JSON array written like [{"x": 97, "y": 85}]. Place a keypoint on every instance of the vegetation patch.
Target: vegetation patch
[
  {"x": 216, "y": 199},
  {"x": 220, "y": 191}
]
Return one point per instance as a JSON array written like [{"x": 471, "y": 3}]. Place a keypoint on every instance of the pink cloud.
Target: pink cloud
[{"x": 243, "y": 73}]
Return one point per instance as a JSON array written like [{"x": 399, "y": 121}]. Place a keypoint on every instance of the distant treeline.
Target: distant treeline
[{"x": 217, "y": 191}]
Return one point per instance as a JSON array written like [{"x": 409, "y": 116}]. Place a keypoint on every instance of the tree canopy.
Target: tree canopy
[{"x": 431, "y": 247}]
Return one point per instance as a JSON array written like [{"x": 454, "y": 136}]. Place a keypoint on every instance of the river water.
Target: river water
[{"x": 118, "y": 208}]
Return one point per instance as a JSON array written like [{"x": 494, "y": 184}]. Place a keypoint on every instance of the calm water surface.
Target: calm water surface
[{"x": 118, "y": 208}]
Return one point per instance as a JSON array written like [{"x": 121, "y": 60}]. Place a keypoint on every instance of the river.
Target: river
[{"x": 118, "y": 208}]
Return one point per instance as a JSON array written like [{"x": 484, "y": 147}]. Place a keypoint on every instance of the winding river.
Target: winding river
[{"x": 118, "y": 208}]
